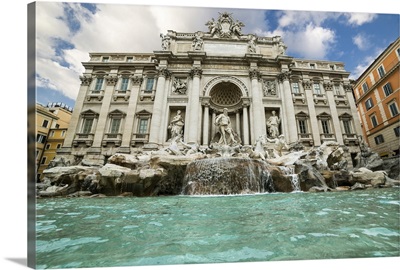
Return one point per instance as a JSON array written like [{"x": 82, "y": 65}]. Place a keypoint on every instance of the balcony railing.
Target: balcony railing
[
  {"x": 320, "y": 98},
  {"x": 350, "y": 138},
  {"x": 97, "y": 94},
  {"x": 115, "y": 138},
  {"x": 306, "y": 138},
  {"x": 298, "y": 97},
  {"x": 86, "y": 138},
  {"x": 327, "y": 137},
  {"x": 140, "y": 138},
  {"x": 340, "y": 99},
  {"x": 147, "y": 94},
  {"x": 122, "y": 94}
]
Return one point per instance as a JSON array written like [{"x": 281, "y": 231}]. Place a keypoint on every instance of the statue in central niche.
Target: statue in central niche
[{"x": 226, "y": 134}]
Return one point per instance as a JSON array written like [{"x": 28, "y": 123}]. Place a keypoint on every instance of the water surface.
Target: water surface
[{"x": 129, "y": 231}]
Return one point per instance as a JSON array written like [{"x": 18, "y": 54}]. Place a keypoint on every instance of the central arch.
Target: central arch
[{"x": 225, "y": 92}]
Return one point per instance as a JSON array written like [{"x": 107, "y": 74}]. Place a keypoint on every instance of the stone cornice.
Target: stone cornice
[{"x": 196, "y": 55}]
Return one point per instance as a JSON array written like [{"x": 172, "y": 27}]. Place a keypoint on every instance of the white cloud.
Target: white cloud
[
  {"x": 313, "y": 42},
  {"x": 365, "y": 63},
  {"x": 361, "y": 42},
  {"x": 113, "y": 28},
  {"x": 300, "y": 19},
  {"x": 304, "y": 33},
  {"x": 360, "y": 68},
  {"x": 358, "y": 19}
]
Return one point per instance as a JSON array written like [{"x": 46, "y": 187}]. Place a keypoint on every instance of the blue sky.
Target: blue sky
[{"x": 67, "y": 32}]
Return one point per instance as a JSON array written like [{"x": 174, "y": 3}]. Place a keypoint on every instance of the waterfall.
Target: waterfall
[
  {"x": 227, "y": 176},
  {"x": 295, "y": 183},
  {"x": 294, "y": 178}
]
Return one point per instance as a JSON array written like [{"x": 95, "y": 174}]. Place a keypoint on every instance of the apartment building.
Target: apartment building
[
  {"x": 52, "y": 122},
  {"x": 377, "y": 98}
]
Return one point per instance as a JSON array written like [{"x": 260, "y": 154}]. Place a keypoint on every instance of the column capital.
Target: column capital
[
  {"x": 307, "y": 85},
  {"x": 254, "y": 73},
  {"x": 85, "y": 80},
  {"x": 137, "y": 80},
  {"x": 328, "y": 86},
  {"x": 111, "y": 80},
  {"x": 284, "y": 76},
  {"x": 205, "y": 101},
  {"x": 347, "y": 87},
  {"x": 164, "y": 72},
  {"x": 196, "y": 71}
]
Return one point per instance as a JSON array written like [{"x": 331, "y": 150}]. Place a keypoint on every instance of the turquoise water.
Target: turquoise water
[{"x": 131, "y": 231}]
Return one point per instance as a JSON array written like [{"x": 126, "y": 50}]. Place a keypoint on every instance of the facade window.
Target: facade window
[
  {"x": 124, "y": 84},
  {"x": 365, "y": 87},
  {"x": 99, "y": 84},
  {"x": 302, "y": 126},
  {"x": 87, "y": 125},
  {"x": 325, "y": 126},
  {"x": 43, "y": 161},
  {"x": 347, "y": 126},
  {"x": 63, "y": 133},
  {"x": 369, "y": 104},
  {"x": 58, "y": 145},
  {"x": 374, "y": 121},
  {"x": 387, "y": 88},
  {"x": 312, "y": 66},
  {"x": 149, "y": 84},
  {"x": 41, "y": 138},
  {"x": 142, "y": 128},
  {"x": 114, "y": 126},
  {"x": 379, "y": 139},
  {"x": 57, "y": 125},
  {"x": 332, "y": 67},
  {"x": 48, "y": 146},
  {"x": 51, "y": 133},
  {"x": 381, "y": 72},
  {"x": 106, "y": 59},
  {"x": 129, "y": 59},
  {"x": 393, "y": 108},
  {"x": 317, "y": 89},
  {"x": 295, "y": 88},
  {"x": 45, "y": 123},
  {"x": 397, "y": 131}
]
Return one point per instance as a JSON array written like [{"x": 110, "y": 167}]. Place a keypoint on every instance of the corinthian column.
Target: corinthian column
[
  {"x": 73, "y": 124},
  {"x": 328, "y": 87},
  {"x": 194, "y": 104},
  {"x": 289, "y": 107},
  {"x": 206, "y": 123},
  {"x": 245, "y": 125},
  {"x": 111, "y": 81},
  {"x": 258, "y": 108},
  {"x": 307, "y": 85},
  {"x": 128, "y": 127},
  {"x": 158, "y": 106}
]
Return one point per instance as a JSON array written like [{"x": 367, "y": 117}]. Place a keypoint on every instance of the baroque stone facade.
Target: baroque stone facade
[{"x": 127, "y": 101}]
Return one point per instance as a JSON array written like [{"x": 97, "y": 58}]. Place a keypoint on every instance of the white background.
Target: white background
[{"x": 13, "y": 132}]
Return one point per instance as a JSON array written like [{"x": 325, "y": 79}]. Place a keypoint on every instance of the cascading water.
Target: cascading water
[
  {"x": 227, "y": 175},
  {"x": 294, "y": 178}
]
